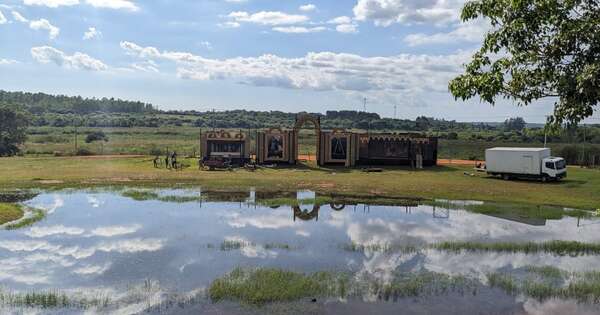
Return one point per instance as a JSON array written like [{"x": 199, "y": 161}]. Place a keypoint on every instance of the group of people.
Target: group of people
[{"x": 170, "y": 161}]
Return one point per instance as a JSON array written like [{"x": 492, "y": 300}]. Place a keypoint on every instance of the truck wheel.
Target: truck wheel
[
  {"x": 545, "y": 179},
  {"x": 506, "y": 177}
]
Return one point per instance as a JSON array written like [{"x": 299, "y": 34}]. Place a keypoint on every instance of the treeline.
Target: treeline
[
  {"x": 39, "y": 103},
  {"x": 243, "y": 119}
]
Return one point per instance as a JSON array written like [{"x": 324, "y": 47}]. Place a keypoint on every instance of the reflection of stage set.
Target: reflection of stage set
[
  {"x": 339, "y": 147},
  {"x": 234, "y": 146}
]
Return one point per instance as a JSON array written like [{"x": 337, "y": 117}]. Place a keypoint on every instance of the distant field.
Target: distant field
[{"x": 185, "y": 140}]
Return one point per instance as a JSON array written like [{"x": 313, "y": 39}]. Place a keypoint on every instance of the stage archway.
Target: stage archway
[{"x": 301, "y": 120}]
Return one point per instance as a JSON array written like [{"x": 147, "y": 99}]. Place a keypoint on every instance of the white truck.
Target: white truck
[{"x": 534, "y": 163}]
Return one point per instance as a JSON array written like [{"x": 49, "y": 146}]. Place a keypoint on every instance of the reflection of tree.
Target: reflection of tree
[{"x": 305, "y": 215}]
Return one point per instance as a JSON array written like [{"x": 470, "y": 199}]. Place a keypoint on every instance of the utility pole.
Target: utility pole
[
  {"x": 583, "y": 154},
  {"x": 546, "y": 132},
  {"x": 365, "y": 104},
  {"x": 395, "y": 111},
  {"x": 75, "y": 139}
]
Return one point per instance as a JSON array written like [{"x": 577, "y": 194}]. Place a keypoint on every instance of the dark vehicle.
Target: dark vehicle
[{"x": 216, "y": 162}]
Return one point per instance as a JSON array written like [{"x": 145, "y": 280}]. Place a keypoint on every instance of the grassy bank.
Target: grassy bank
[
  {"x": 580, "y": 190},
  {"x": 10, "y": 212}
]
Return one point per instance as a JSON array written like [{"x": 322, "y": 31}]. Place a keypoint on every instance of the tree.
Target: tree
[
  {"x": 514, "y": 124},
  {"x": 13, "y": 129},
  {"x": 535, "y": 50}
]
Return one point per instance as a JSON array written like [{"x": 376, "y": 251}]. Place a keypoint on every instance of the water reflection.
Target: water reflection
[{"x": 101, "y": 240}]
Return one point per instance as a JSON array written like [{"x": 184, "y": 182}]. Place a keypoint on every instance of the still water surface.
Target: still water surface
[{"x": 144, "y": 253}]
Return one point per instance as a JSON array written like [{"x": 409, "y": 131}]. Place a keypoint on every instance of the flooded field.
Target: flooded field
[{"x": 186, "y": 251}]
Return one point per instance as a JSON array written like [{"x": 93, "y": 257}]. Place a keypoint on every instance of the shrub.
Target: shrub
[{"x": 96, "y": 136}]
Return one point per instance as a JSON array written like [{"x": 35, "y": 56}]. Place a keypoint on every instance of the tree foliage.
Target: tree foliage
[
  {"x": 13, "y": 129},
  {"x": 536, "y": 49},
  {"x": 37, "y": 103},
  {"x": 514, "y": 124}
]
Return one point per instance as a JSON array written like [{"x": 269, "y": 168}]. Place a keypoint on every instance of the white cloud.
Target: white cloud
[
  {"x": 43, "y": 24},
  {"x": 468, "y": 32},
  {"x": 132, "y": 246},
  {"x": 318, "y": 71},
  {"x": 109, "y": 4},
  {"x": 51, "y": 3},
  {"x": 345, "y": 25},
  {"x": 146, "y": 66},
  {"x": 18, "y": 17},
  {"x": 387, "y": 12},
  {"x": 3, "y": 19},
  {"x": 267, "y": 18},
  {"x": 298, "y": 29},
  {"x": 7, "y": 62},
  {"x": 307, "y": 7},
  {"x": 340, "y": 20},
  {"x": 92, "y": 33},
  {"x": 38, "y": 232},
  {"x": 206, "y": 45},
  {"x": 28, "y": 246},
  {"x": 347, "y": 28},
  {"x": 229, "y": 24},
  {"x": 92, "y": 269},
  {"x": 47, "y": 54},
  {"x": 50, "y": 208},
  {"x": 116, "y": 230},
  {"x": 113, "y": 4}
]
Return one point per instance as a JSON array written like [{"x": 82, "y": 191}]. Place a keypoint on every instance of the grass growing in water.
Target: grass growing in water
[
  {"x": 268, "y": 285},
  {"x": 37, "y": 215},
  {"x": 228, "y": 245},
  {"x": 261, "y": 286},
  {"x": 572, "y": 248},
  {"x": 376, "y": 247},
  {"x": 10, "y": 212},
  {"x": 50, "y": 299},
  {"x": 140, "y": 195},
  {"x": 584, "y": 287}
]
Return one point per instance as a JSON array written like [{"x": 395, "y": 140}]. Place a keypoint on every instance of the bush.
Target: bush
[
  {"x": 452, "y": 136},
  {"x": 96, "y": 136},
  {"x": 83, "y": 152}
]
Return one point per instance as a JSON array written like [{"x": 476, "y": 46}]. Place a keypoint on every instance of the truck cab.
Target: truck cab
[{"x": 553, "y": 168}]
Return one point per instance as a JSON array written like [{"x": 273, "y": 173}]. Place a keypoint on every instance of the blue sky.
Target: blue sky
[{"x": 253, "y": 54}]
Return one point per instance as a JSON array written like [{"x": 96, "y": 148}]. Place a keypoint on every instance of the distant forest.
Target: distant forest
[{"x": 63, "y": 111}]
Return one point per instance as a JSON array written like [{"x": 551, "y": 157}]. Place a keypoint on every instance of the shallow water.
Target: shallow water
[{"x": 144, "y": 253}]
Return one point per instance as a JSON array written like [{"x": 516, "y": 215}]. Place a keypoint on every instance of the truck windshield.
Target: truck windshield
[{"x": 560, "y": 164}]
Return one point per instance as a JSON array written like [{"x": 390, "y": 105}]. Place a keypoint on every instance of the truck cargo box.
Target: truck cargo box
[{"x": 526, "y": 161}]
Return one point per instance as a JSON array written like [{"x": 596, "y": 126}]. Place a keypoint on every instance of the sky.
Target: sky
[{"x": 392, "y": 57}]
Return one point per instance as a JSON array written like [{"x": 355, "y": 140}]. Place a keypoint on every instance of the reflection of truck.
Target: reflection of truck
[{"x": 524, "y": 163}]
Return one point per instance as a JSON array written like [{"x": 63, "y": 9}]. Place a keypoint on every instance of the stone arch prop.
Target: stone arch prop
[
  {"x": 301, "y": 120},
  {"x": 306, "y": 215}
]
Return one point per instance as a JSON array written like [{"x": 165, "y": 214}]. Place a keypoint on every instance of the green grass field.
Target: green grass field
[
  {"x": 580, "y": 190},
  {"x": 185, "y": 140}
]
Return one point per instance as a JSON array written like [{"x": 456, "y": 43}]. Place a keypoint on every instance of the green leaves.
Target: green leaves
[{"x": 537, "y": 49}]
